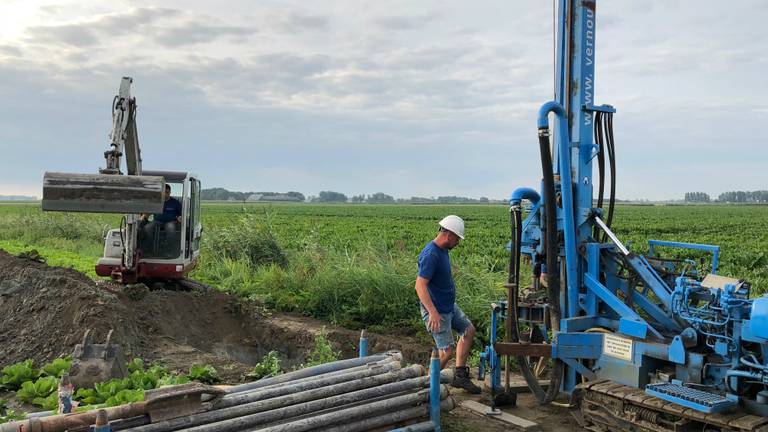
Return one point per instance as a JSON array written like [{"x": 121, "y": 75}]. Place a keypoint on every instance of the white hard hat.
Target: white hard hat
[{"x": 453, "y": 224}]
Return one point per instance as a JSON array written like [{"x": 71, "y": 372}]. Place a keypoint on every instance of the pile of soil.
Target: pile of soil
[{"x": 45, "y": 311}]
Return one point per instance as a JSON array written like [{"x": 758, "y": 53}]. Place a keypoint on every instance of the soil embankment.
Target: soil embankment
[{"x": 45, "y": 311}]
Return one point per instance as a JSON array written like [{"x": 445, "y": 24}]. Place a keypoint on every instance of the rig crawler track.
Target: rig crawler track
[{"x": 608, "y": 406}]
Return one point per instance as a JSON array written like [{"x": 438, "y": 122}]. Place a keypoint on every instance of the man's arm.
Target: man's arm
[{"x": 433, "y": 323}]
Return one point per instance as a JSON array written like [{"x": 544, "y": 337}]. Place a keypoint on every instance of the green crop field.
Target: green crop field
[{"x": 355, "y": 265}]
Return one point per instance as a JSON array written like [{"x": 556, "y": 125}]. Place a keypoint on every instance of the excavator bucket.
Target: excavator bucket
[
  {"x": 94, "y": 363},
  {"x": 102, "y": 193}
]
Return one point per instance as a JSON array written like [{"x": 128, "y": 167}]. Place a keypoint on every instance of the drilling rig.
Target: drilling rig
[{"x": 635, "y": 341}]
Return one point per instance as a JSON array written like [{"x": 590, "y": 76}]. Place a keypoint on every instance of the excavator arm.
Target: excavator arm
[{"x": 110, "y": 191}]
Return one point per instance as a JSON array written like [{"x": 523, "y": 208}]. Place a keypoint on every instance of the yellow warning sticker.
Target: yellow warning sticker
[{"x": 616, "y": 346}]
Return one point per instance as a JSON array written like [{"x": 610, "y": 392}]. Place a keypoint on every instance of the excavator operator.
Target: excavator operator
[{"x": 171, "y": 212}]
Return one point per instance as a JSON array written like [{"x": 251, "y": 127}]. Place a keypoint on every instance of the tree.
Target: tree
[
  {"x": 330, "y": 196},
  {"x": 380, "y": 198},
  {"x": 697, "y": 197}
]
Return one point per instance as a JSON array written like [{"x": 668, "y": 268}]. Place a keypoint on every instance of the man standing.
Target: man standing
[{"x": 437, "y": 294}]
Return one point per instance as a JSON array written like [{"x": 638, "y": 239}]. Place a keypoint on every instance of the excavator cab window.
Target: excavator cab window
[
  {"x": 160, "y": 237},
  {"x": 193, "y": 224}
]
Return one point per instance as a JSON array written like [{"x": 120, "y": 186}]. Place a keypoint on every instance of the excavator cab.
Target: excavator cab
[{"x": 164, "y": 250}]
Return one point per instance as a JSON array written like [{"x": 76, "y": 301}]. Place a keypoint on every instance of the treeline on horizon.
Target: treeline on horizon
[
  {"x": 221, "y": 194},
  {"x": 756, "y": 197}
]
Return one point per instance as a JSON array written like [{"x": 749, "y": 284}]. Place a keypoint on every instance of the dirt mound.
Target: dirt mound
[{"x": 44, "y": 312}]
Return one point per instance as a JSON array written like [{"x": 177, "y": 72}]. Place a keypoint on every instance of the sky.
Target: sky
[{"x": 409, "y": 98}]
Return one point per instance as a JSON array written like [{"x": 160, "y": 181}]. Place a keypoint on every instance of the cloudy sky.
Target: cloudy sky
[{"x": 405, "y": 97}]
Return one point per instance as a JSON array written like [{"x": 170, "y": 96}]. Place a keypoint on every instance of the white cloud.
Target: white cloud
[{"x": 409, "y": 98}]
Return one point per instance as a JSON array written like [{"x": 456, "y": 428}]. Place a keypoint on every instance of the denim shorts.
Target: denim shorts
[{"x": 455, "y": 320}]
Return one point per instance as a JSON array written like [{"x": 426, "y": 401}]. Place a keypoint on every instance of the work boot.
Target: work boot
[{"x": 462, "y": 380}]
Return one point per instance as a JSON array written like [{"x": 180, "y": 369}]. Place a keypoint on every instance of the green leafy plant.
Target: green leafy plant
[
  {"x": 88, "y": 396},
  {"x": 35, "y": 392},
  {"x": 50, "y": 402},
  {"x": 172, "y": 380},
  {"x": 125, "y": 397},
  {"x": 323, "y": 351},
  {"x": 268, "y": 366},
  {"x": 144, "y": 380},
  {"x": 15, "y": 375},
  {"x": 57, "y": 367},
  {"x": 205, "y": 374},
  {"x": 135, "y": 365}
]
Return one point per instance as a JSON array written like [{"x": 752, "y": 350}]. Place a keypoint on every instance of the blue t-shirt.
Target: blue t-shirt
[
  {"x": 435, "y": 265},
  {"x": 171, "y": 209}
]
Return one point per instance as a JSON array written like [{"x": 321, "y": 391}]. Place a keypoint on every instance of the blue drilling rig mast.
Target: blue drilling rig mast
[{"x": 638, "y": 342}]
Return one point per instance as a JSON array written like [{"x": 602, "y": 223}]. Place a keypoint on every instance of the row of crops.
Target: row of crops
[{"x": 355, "y": 265}]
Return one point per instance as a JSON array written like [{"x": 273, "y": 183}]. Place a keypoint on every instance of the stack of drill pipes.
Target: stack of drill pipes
[
  {"x": 323, "y": 421},
  {"x": 322, "y": 369},
  {"x": 294, "y": 404},
  {"x": 349, "y": 371},
  {"x": 303, "y": 385},
  {"x": 299, "y": 385},
  {"x": 396, "y": 418}
]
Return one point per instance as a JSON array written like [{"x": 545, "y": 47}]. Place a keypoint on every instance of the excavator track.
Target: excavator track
[{"x": 608, "y": 406}]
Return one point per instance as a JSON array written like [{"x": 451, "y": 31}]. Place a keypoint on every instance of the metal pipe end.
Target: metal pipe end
[
  {"x": 448, "y": 404},
  {"x": 446, "y": 376},
  {"x": 395, "y": 354},
  {"x": 420, "y": 369}
]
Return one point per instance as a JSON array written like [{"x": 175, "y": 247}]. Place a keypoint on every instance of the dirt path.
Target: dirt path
[{"x": 551, "y": 418}]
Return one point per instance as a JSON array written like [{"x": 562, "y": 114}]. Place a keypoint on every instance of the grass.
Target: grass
[{"x": 355, "y": 265}]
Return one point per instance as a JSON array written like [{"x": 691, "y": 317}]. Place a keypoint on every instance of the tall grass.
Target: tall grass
[{"x": 369, "y": 286}]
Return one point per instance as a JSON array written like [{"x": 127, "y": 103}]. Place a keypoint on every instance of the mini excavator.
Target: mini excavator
[{"x": 140, "y": 250}]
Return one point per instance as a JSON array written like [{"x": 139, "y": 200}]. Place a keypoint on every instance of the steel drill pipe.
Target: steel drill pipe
[
  {"x": 291, "y": 412},
  {"x": 395, "y": 418},
  {"x": 367, "y": 366},
  {"x": 288, "y": 388},
  {"x": 382, "y": 385},
  {"x": 389, "y": 364},
  {"x": 316, "y": 370},
  {"x": 335, "y": 417}
]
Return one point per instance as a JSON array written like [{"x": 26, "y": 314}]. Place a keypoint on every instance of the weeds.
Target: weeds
[
  {"x": 323, "y": 351},
  {"x": 268, "y": 366},
  {"x": 248, "y": 239}
]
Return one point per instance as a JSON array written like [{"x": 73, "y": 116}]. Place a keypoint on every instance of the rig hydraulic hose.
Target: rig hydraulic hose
[
  {"x": 604, "y": 140},
  {"x": 612, "y": 156},
  {"x": 549, "y": 231}
]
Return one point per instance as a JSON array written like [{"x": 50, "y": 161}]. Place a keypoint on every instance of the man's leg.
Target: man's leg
[
  {"x": 465, "y": 345},
  {"x": 466, "y": 330},
  {"x": 443, "y": 337},
  {"x": 445, "y": 356}
]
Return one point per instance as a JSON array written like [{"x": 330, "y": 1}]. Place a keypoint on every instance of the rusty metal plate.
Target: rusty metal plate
[{"x": 524, "y": 349}]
